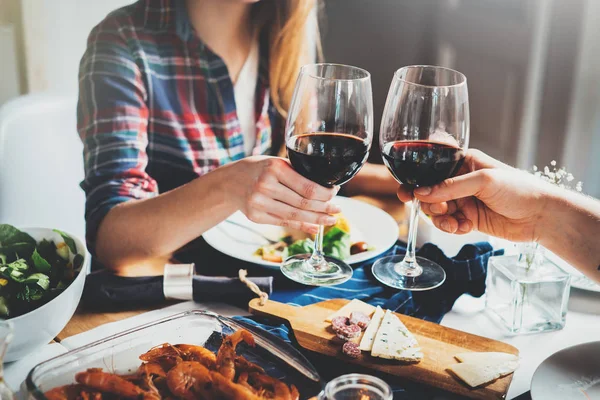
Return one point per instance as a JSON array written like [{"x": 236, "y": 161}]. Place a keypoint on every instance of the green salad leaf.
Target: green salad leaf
[
  {"x": 68, "y": 240},
  {"x": 19, "y": 265},
  {"x": 303, "y": 246},
  {"x": 336, "y": 243},
  {"x": 40, "y": 263},
  {"x": 11, "y": 235},
  {"x": 39, "y": 279},
  {"x": 14, "y": 243},
  {"x": 30, "y": 293}
]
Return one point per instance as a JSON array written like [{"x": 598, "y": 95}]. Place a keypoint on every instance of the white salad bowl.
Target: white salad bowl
[{"x": 38, "y": 327}]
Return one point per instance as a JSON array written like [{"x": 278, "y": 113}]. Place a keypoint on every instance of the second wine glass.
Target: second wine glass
[
  {"x": 328, "y": 132},
  {"x": 424, "y": 137}
]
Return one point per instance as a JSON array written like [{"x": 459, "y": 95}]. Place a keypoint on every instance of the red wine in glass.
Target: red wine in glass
[
  {"x": 328, "y": 159},
  {"x": 422, "y": 163},
  {"x": 424, "y": 137},
  {"x": 328, "y": 134}
]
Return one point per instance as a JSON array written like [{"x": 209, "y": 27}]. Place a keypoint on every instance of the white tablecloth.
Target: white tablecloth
[
  {"x": 583, "y": 325},
  {"x": 468, "y": 314}
]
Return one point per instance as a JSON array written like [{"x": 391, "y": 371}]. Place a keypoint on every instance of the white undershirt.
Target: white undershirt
[{"x": 244, "y": 91}]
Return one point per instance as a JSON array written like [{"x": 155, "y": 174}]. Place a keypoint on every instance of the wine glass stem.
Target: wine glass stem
[
  {"x": 409, "y": 264},
  {"x": 317, "y": 259}
]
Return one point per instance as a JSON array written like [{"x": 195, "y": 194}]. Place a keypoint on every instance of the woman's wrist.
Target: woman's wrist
[
  {"x": 226, "y": 185},
  {"x": 222, "y": 188}
]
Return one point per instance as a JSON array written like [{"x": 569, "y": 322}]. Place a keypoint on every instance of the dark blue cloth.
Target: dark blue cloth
[{"x": 466, "y": 273}]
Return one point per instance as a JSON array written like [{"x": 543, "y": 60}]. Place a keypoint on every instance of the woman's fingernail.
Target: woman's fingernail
[
  {"x": 423, "y": 191},
  {"x": 436, "y": 208},
  {"x": 330, "y": 220},
  {"x": 334, "y": 209},
  {"x": 445, "y": 225}
]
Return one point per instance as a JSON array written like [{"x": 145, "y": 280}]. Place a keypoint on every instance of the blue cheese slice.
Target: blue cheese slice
[
  {"x": 394, "y": 341},
  {"x": 366, "y": 343}
]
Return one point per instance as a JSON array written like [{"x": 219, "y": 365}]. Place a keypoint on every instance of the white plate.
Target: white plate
[
  {"x": 368, "y": 223},
  {"x": 583, "y": 283},
  {"x": 578, "y": 280},
  {"x": 572, "y": 373}
]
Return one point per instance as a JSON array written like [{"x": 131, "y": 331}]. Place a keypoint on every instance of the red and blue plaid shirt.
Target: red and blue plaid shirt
[{"x": 156, "y": 107}]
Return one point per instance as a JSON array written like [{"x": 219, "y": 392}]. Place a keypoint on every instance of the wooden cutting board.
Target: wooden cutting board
[{"x": 439, "y": 345}]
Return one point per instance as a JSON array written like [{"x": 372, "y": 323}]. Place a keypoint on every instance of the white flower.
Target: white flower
[{"x": 559, "y": 177}]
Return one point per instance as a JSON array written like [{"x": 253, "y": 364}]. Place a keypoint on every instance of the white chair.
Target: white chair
[{"x": 41, "y": 163}]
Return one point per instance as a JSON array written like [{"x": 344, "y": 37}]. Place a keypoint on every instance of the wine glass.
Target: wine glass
[
  {"x": 328, "y": 135},
  {"x": 424, "y": 137}
]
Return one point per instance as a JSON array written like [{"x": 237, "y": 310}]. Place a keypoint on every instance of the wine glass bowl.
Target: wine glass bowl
[
  {"x": 424, "y": 137},
  {"x": 328, "y": 137}
]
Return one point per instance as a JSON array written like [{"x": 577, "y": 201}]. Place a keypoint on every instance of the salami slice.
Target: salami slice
[
  {"x": 351, "y": 349},
  {"x": 348, "y": 332},
  {"x": 360, "y": 319},
  {"x": 344, "y": 329},
  {"x": 339, "y": 323}
]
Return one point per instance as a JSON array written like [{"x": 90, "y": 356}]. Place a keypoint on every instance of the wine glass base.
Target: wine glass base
[
  {"x": 391, "y": 271},
  {"x": 333, "y": 272}
]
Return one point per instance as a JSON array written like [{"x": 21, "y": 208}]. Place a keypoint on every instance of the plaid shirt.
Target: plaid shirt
[{"x": 156, "y": 107}]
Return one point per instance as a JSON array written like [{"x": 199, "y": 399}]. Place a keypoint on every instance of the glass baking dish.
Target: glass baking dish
[{"x": 119, "y": 353}]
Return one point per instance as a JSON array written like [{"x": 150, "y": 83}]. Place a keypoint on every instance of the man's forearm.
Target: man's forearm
[{"x": 571, "y": 229}]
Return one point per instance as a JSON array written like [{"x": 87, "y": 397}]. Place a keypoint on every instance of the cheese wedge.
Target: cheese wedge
[
  {"x": 353, "y": 306},
  {"x": 394, "y": 341},
  {"x": 366, "y": 343},
  {"x": 477, "y": 374},
  {"x": 486, "y": 358}
]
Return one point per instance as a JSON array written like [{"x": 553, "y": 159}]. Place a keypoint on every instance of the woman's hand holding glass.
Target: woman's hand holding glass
[{"x": 269, "y": 191}]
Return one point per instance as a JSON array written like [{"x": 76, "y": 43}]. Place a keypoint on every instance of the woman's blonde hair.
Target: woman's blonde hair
[{"x": 286, "y": 22}]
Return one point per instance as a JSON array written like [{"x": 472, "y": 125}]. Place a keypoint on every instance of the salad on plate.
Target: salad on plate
[{"x": 337, "y": 243}]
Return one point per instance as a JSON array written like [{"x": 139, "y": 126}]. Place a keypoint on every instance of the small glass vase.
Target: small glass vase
[{"x": 527, "y": 293}]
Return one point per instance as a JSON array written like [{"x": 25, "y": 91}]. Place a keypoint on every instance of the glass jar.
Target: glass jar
[
  {"x": 527, "y": 293},
  {"x": 6, "y": 334},
  {"x": 356, "y": 387}
]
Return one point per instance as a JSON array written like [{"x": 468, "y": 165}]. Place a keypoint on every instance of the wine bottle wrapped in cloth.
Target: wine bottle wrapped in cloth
[{"x": 104, "y": 290}]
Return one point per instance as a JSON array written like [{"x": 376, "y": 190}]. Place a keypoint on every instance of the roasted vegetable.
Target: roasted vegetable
[{"x": 359, "y": 247}]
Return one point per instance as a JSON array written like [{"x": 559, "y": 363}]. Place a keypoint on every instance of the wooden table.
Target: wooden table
[{"x": 84, "y": 320}]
